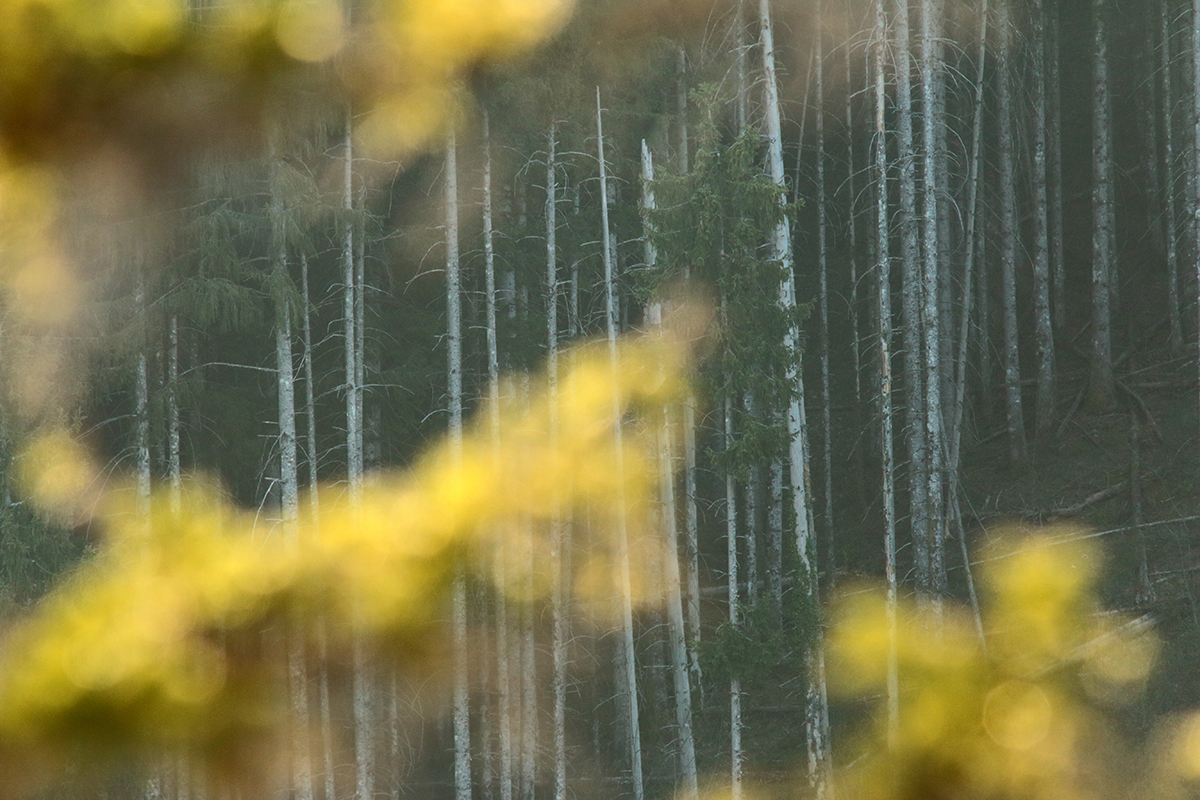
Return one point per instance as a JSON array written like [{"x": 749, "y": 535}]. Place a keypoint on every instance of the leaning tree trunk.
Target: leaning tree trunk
[
  {"x": 676, "y": 633},
  {"x": 627, "y": 667}
]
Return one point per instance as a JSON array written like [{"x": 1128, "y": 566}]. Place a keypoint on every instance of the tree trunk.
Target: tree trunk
[
  {"x": 735, "y": 689},
  {"x": 1170, "y": 234},
  {"x": 1044, "y": 335},
  {"x": 1014, "y": 416},
  {"x": 823, "y": 308},
  {"x": 932, "y": 119},
  {"x": 781, "y": 251},
  {"x": 628, "y": 668},
  {"x": 1054, "y": 159},
  {"x": 918, "y": 467},
  {"x": 462, "y": 719},
  {"x": 1100, "y": 388},
  {"x": 174, "y": 471},
  {"x": 883, "y": 312},
  {"x": 677, "y": 644}
]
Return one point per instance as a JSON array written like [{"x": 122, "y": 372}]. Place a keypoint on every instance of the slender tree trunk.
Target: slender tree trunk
[
  {"x": 675, "y": 622},
  {"x": 883, "y": 312},
  {"x": 1100, "y": 388},
  {"x": 1170, "y": 233},
  {"x": 1195, "y": 199},
  {"x": 1044, "y": 335},
  {"x": 462, "y": 659},
  {"x": 823, "y": 307},
  {"x": 1014, "y": 416},
  {"x": 735, "y": 689},
  {"x": 623, "y": 577},
  {"x": 1054, "y": 158},
  {"x": 691, "y": 512},
  {"x": 560, "y": 529},
  {"x": 503, "y": 681},
  {"x": 918, "y": 467},
  {"x": 970, "y": 264},
  {"x": 354, "y": 461},
  {"x": 174, "y": 471},
  {"x": 142, "y": 407},
  {"x": 853, "y": 257},
  {"x": 932, "y": 120},
  {"x": 781, "y": 251}
]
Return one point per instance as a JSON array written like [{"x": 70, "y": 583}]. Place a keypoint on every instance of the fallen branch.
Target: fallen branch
[{"x": 1090, "y": 500}]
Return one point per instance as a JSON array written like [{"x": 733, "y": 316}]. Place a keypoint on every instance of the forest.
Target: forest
[{"x": 933, "y": 264}]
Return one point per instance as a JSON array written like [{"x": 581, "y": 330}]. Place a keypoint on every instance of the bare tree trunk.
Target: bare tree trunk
[
  {"x": 918, "y": 457},
  {"x": 462, "y": 718},
  {"x": 1100, "y": 388},
  {"x": 675, "y": 621},
  {"x": 1044, "y": 335},
  {"x": 354, "y": 460},
  {"x": 174, "y": 470},
  {"x": 505, "y": 710},
  {"x": 883, "y": 310},
  {"x": 932, "y": 120},
  {"x": 735, "y": 688},
  {"x": 142, "y": 406},
  {"x": 781, "y": 251},
  {"x": 1195, "y": 199},
  {"x": 823, "y": 308},
  {"x": 628, "y": 666},
  {"x": 1170, "y": 233},
  {"x": 1055, "y": 201},
  {"x": 1014, "y": 416},
  {"x": 560, "y": 532}
]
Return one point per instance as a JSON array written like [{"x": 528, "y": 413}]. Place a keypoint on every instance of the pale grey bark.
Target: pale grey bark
[
  {"x": 934, "y": 580},
  {"x": 561, "y": 544},
  {"x": 1195, "y": 170},
  {"x": 1101, "y": 385},
  {"x": 174, "y": 472},
  {"x": 883, "y": 312},
  {"x": 676, "y": 634},
  {"x": 1054, "y": 158},
  {"x": 1044, "y": 335},
  {"x": 780, "y": 250},
  {"x": 823, "y": 307},
  {"x": 1014, "y": 415},
  {"x": 627, "y": 666},
  {"x": 454, "y": 371},
  {"x": 914, "y": 405},
  {"x": 354, "y": 459},
  {"x": 736, "y": 757},
  {"x": 502, "y": 655},
  {"x": 142, "y": 408},
  {"x": 1170, "y": 232},
  {"x": 970, "y": 264},
  {"x": 290, "y": 508}
]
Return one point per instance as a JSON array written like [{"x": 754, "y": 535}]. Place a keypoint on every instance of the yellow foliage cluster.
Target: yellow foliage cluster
[
  {"x": 1020, "y": 713},
  {"x": 157, "y": 644}
]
